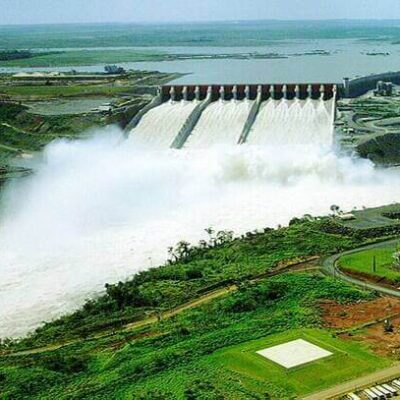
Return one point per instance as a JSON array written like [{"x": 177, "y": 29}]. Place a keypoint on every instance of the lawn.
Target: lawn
[
  {"x": 63, "y": 91},
  {"x": 362, "y": 262},
  {"x": 349, "y": 360},
  {"x": 85, "y": 57}
]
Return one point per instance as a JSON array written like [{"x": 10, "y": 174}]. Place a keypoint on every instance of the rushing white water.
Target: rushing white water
[
  {"x": 100, "y": 210},
  {"x": 293, "y": 122},
  {"x": 222, "y": 122},
  {"x": 159, "y": 127}
]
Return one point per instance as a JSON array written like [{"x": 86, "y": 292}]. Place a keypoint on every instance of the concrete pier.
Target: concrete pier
[{"x": 240, "y": 92}]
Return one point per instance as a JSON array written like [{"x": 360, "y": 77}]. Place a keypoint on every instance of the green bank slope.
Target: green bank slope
[{"x": 205, "y": 350}]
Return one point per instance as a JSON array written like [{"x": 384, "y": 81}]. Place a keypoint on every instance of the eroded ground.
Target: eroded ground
[{"x": 365, "y": 322}]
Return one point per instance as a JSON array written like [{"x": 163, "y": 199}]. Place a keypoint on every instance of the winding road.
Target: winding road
[{"x": 329, "y": 267}]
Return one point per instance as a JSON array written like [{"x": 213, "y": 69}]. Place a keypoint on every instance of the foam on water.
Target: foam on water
[
  {"x": 293, "y": 122},
  {"x": 159, "y": 127},
  {"x": 222, "y": 122}
]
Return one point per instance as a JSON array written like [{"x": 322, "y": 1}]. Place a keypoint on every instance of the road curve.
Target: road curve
[{"x": 329, "y": 267}]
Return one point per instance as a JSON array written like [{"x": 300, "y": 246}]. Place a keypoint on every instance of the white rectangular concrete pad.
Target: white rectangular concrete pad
[{"x": 292, "y": 354}]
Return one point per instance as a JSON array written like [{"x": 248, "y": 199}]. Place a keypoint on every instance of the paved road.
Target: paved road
[
  {"x": 329, "y": 267},
  {"x": 382, "y": 376}
]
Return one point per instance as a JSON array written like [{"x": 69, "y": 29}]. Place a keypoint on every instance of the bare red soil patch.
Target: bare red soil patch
[
  {"x": 343, "y": 316},
  {"x": 382, "y": 342},
  {"x": 370, "y": 316}
]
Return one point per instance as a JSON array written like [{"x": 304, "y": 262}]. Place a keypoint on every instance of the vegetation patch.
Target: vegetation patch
[
  {"x": 199, "y": 352},
  {"x": 11, "y": 55}
]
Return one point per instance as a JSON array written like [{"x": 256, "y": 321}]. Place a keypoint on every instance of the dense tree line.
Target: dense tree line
[
  {"x": 15, "y": 55},
  {"x": 11, "y": 55}
]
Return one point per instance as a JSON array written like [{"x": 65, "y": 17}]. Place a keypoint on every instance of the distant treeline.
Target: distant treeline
[{"x": 10, "y": 55}]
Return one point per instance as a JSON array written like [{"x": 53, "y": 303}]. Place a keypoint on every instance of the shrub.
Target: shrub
[
  {"x": 199, "y": 390},
  {"x": 65, "y": 364}
]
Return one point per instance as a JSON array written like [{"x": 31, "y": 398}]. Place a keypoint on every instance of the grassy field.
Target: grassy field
[
  {"x": 362, "y": 262},
  {"x": 64, "y": 91},
  {"x": 85, "y": 57},
  {"x": 349, "y": 360}
]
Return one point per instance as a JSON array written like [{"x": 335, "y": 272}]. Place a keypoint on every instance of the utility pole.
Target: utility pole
[{"x": 374, "y": 264}]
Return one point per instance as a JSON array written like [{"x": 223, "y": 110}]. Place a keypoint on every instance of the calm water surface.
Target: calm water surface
[{"x": 346, "y": 58}]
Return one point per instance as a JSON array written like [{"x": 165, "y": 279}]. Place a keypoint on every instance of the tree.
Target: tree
[
  {"x": 172, "y": 255},
  {"x": 182, "y": 249},
  {"x": 335, "y": 209},
  {"x": 396, "y": 258},
  {"x": 210, "y": 232},
  {"x": 224, "y": 237},
  {"x": 203, "y": 244}
]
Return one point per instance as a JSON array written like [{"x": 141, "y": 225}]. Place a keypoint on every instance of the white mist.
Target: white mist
[{"x": 100, "y": 210}]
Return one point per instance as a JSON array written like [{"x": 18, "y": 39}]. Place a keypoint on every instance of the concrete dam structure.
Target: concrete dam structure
[{"x": 193, "y": 117}]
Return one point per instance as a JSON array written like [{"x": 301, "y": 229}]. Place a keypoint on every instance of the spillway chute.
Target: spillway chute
[
  {"x": 296, "y": 122},
  {"x": 159, "y": 127},
  {"x": 221, "y": 123},
  {"x": 202, "y": 116}
]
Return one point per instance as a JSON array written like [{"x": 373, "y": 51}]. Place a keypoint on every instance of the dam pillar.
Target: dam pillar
[
  {"x": 209, "y": 93},
  {"x": 309, "y": 91},
  {"x": 185, "y": 93},
  {"x": 197, "y": 93},
  {"x": 235, "y": 93},
  {"x": 297, "y": 93},
  {"x": 259, "y": 93},
  {"x": 322, "y": 92},
  {"x": 193, "y": 119},
  {"x": 252, "y": 115},
  {"x": 222, "y": 93},
  {"x": 272, "y": 92},
  {"x": 285, "y": 92},
  {"x": 247, "y": 92},
  {"x": 172, "y": 93}
]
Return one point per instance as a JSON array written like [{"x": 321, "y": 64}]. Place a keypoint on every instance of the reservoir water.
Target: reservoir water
[{"x": 314, "y": 60}]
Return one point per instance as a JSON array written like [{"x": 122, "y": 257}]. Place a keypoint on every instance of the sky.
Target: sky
[{"x": 78, "y": 11}]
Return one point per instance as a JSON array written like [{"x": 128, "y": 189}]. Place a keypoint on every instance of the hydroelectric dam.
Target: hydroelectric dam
[{"x": 189, "y": 117}]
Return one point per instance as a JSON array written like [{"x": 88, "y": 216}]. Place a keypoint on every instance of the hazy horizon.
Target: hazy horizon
[
  {"x": 203, "y": 22},
  {"x": 34, "y": 12}
]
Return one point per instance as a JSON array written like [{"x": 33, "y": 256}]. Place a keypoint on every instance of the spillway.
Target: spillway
[
  {"x": 159, "y": 126},
  {"x": 286, "y": 122},
  {"x": 222, "y": 122},
  {"x": 194, "y": 117}
]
